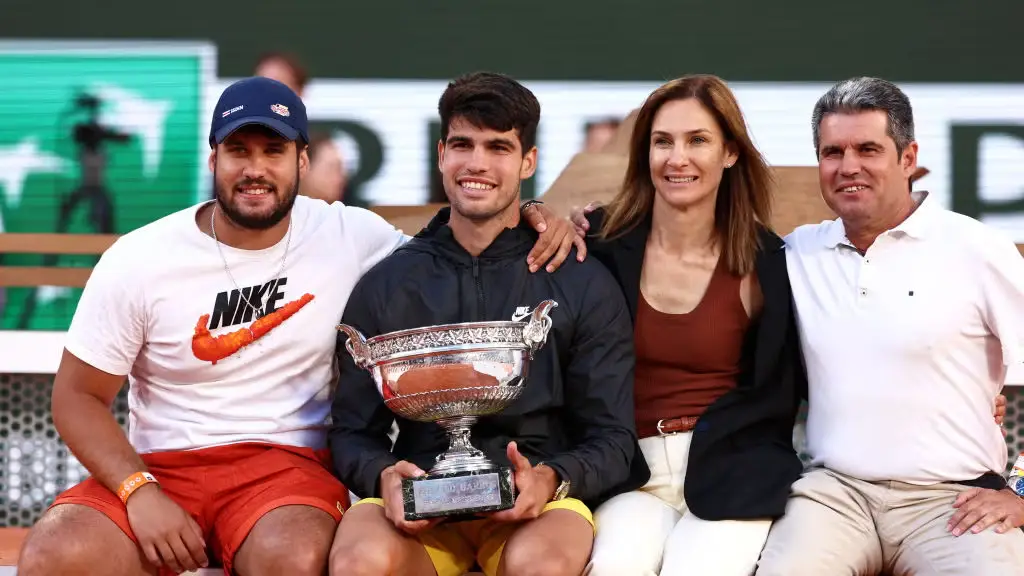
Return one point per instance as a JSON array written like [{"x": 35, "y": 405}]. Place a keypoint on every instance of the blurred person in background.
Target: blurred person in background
[
  {"x": 909, "y": 316},
  {"x": 285, "y": 68},
  {"x": 225, "y": 456},
  {"x": 326, "y": 177},
  {"x": 599, "y": 133},
  {"x": 718, "y": 377}
]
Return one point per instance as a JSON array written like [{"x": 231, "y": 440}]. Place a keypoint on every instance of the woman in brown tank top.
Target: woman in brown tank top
[{"x": 718, "y": 378}]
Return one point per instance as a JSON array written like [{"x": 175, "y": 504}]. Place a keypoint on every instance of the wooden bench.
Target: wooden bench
[
  {"x": 407, "y": 218},
  {"x": 410, "y": 219},
  {"x": 10, "y": 545},
  {"x": 796, "y": 183},
  {"x": 50, "y": 244}
]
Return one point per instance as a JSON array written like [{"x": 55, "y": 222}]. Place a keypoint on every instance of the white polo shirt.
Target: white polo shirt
[{"x": 907, "y": 346}]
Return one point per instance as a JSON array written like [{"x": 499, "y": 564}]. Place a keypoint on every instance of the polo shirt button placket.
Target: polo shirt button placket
[{"x": 865, "y": 278}]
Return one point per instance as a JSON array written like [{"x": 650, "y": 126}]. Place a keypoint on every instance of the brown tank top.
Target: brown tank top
[{"x": 684, "y": 362}]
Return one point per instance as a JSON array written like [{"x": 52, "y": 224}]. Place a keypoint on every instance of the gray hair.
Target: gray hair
[{"x": 863, "y": 94}]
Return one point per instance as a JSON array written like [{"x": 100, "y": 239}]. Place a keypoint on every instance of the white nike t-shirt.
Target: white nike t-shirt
[{"x": 139, "y": 312}]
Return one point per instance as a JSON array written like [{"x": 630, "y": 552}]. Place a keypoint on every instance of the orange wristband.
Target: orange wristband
[{"x": 133, "y": 483}]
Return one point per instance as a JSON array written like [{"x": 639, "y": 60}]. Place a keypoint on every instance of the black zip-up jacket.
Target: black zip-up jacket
[{"x": 576, "y": 412}]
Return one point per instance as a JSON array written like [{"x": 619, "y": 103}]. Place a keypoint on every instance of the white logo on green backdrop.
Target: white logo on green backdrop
[{"x": 98, "y": 137}]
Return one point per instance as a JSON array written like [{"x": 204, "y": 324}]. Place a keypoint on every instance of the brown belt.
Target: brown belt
[{"x": 668, "y": 426}]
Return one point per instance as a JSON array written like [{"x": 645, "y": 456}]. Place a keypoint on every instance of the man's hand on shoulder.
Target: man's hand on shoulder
[
  {"x": 167, "y": 535},
  {"x": 535, "y": 485},
  {"x": 556, "y": 238},
  {"x": 394, "y": 504},
  {"x": 980, "y": 508}
]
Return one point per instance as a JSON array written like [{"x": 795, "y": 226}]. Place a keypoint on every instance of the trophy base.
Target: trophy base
[{"x": 456, "y": 494}]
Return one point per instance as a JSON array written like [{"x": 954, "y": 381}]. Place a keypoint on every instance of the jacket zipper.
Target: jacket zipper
[{"x": 479, "y": 290}]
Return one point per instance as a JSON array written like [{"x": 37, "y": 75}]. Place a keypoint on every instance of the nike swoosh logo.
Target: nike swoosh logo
[
  {"x": 212, "y": 349},
  {"x": 518, "y": 317}
]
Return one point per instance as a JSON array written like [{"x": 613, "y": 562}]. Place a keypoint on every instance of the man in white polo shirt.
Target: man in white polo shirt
[{"x": 909, "y": 316}]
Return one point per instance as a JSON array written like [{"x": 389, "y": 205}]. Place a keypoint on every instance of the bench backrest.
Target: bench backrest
[{"x": 408, "y": 218}]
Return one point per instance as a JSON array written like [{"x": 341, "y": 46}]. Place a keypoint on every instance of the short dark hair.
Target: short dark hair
[
  {"x": 491, "y": 100},
  {"x": 611, "y": 122},
  {"x": 865, "y": 94}
]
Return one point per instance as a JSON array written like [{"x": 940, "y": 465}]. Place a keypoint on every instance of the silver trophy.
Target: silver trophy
[{"x": 453, "y": 374}]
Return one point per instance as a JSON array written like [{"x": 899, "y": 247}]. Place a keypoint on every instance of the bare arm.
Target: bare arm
[
  {"x": 101, "y": 346},
  {"x": 81, "y": 405}
]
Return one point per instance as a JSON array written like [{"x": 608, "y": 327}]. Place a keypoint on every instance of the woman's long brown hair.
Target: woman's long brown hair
[{"x": 744, "y": 195}]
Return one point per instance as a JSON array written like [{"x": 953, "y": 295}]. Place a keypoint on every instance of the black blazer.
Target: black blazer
[{"x": 742, "y": 462}]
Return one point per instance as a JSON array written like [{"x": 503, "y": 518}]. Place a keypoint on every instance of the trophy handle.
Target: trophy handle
[
  {"x": 535, "y": 334},
  {"x": 356, "y": 346}
]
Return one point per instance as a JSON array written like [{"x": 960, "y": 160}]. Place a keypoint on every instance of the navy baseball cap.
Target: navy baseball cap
[{"x": 262, "y": 101}]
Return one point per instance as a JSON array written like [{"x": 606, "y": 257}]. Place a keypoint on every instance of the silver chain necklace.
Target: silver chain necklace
[{"x": 284, "y": 257}]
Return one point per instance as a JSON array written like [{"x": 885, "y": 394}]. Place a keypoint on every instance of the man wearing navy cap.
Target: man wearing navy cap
[{"x": 222, "y": 318}]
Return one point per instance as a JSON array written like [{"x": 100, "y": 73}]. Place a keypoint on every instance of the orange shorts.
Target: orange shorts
[{"x": 226, "y": 489}]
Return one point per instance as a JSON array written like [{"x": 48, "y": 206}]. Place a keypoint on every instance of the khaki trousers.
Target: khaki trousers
[{"x": 836, "y": 525}]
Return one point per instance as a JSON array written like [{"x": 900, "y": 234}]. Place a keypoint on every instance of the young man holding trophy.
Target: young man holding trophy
[{"x": 512, "y": 391}]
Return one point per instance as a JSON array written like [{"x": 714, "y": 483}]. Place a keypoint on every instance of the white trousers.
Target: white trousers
[{"x": 650, "y": 532}]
